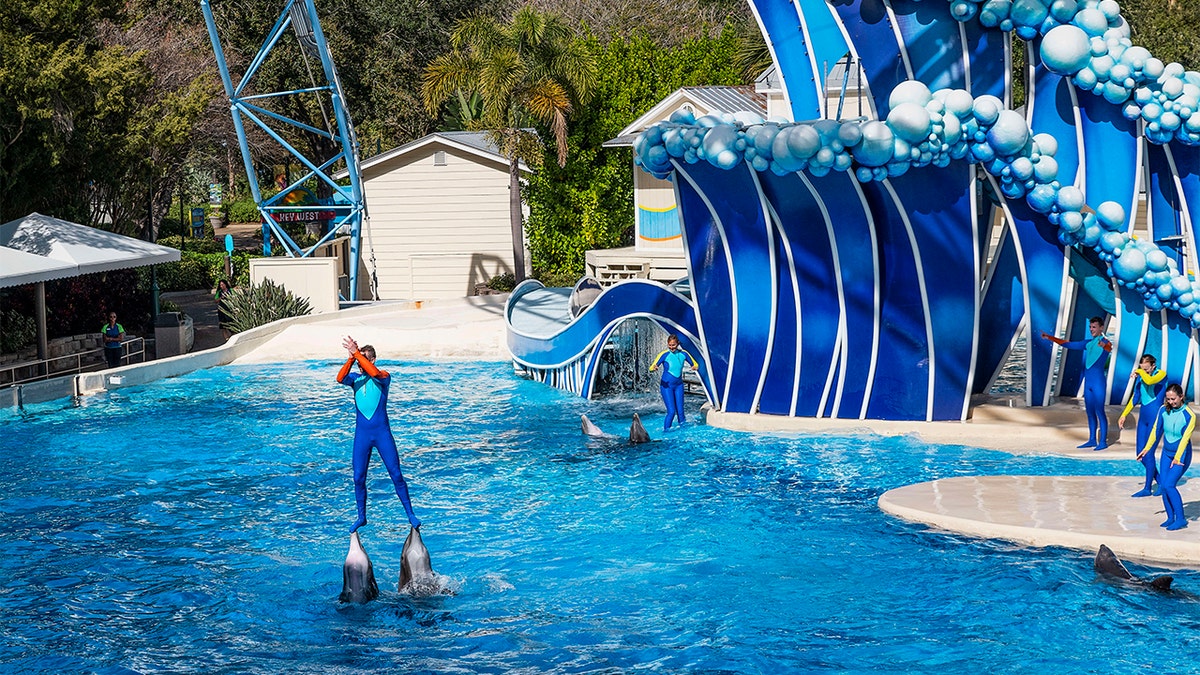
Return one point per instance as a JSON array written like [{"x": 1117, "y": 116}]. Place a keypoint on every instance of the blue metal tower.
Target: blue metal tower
[{"x": 347, "y": 203}]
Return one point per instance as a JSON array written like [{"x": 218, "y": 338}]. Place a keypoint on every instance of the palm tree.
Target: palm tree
[{"x": 531, "y": 70}]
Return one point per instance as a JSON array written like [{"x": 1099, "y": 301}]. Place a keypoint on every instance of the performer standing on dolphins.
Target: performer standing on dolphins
[
  {"x": 1174, "y": 426},
  {"x": 672, "y": 361},
  {"x": 1149, "y": 387},
  {"x": 372, "y": 429},
  {"x": 1095, "y": 361}
]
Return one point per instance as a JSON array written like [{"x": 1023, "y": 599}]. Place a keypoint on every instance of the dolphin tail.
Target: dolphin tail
[{"x": 358, "y": 576}]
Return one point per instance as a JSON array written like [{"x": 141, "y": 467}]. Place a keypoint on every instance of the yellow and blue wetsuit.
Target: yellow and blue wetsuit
[
  {"x": 1148, "y": 392},
  {"x": 671, "y": 384},
  {"x": 1095, "y": 361},
  {"x": 1175, "y": 428},
  {"x": 373, "y": 430}
]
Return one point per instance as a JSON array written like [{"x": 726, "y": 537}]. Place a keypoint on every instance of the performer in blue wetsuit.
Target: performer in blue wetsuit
[
  {"x": 372, "y": 429},
  {"x": 672, "y": 361},
  {"x": 1174, "y": 426},
  {"x": 1095, "y": 361},
  {"x": 1149, "y": 387}
]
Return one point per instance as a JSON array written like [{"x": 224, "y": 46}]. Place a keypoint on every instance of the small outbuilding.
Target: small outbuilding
[{"x": 439, "y": 216}]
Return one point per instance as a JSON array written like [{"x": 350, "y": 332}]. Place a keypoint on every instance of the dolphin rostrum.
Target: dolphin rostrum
[
  {"x": 358, "y": 577},
  {"x": 416, "y": 572},
  {"x": 637, "y": 432},
  {"x": 590, "y": 429},
  {"x": 1107, "y": 564}
]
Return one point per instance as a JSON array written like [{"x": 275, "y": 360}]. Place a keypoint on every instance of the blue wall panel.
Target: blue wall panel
[
  {"x": 939, "y": 206},
  {"x": 819, "y": 311},
  {"x": 867, "y": 23},
  {"x": 900, "y": 389}
]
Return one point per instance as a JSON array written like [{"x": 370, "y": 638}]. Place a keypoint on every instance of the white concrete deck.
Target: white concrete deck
[{"x": 1079, "y": 512}]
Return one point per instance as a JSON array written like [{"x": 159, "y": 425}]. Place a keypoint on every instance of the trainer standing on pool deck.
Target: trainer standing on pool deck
[
  {"x": 1174, "y": 425},
  {"x": 1149, "y": 387},
  {"x": 372, "y": 430},
  {"x": 672, "y": 361},
  {"x": 1095, "y": 361}
]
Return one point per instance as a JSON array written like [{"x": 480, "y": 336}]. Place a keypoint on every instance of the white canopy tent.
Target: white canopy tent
[{"x": 38, "y": 248}]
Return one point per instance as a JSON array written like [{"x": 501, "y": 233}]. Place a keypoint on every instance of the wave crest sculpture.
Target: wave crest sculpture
[{"x": 840, "y": 268}]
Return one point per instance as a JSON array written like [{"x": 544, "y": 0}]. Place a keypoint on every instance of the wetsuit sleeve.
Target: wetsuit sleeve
[
  {"x": 1187, "y": 435},
  {"x": 692, "y": 360},
  {"x": 658, "y": 360},
  {"x": 345, "y": 369},
  {"x": 369, "y": 368},
  {"x": 1106, "y": 344},
  {"x": 1078, "y": 344},
  {"x": 1155, "y": 378},
  {"x": 1129, "y": 406}
]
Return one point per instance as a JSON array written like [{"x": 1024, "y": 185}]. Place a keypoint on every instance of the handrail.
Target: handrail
[{"x": 133, "y": 350}]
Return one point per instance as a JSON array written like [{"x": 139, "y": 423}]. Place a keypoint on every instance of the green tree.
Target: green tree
[
  {"x": 529, "y": 71},
  {"x": 588, "y": 203}
]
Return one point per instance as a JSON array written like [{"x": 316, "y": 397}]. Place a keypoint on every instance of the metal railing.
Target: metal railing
[{"x": 133, "y": 350}]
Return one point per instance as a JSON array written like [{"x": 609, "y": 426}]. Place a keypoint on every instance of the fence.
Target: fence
[{"x": 133, "y": 350}]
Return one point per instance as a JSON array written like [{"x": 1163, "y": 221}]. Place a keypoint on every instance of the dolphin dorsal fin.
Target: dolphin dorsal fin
[{"x": 1162, "y": 583}]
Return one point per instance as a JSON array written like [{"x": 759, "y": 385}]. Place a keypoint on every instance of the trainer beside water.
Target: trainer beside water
[{"x": 113, "y": 334}]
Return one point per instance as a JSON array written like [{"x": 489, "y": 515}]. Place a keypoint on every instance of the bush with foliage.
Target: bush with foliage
[
  {"x": 243, "y": 211},
  {"x": 17, "y": 331},
  {"x": 254, "y": 306},
  {"x": 80, "y": 305},
  {"x": 502, "y": 282},
  {"x": 196, "y": 271}
]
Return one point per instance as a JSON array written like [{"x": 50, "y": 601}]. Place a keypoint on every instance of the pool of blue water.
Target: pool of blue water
[{"x": 199, "y": 524}]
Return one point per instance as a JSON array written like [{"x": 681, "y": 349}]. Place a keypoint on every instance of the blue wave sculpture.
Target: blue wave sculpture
[{"x": 837, "y": 267}]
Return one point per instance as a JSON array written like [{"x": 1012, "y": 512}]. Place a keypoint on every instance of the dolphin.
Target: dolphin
[
  {"x": 1107, "y": 564},
  {"x": 590, "y": 429},
  {"x": 416, "y": 572},
  {"x": 637, "y": 432},
  {"x": 358, "y": 577}
]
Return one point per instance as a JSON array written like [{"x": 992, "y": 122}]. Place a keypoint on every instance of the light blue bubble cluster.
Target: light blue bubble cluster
[
  {"x": 924, "y": 128},
  {"x": 1088, "y": 41}
]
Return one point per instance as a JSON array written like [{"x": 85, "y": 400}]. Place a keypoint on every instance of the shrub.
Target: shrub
[
  {"x": 199, "y": 271},
  {"x": 502, "y": 282},
  {"x": 17, "y": 331},
  {"x": 243, "y": 211},
  {"x": 255, "y": 306}
]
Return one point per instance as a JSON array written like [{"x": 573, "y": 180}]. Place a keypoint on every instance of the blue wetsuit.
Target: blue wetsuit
[
  {"x": 1095, "y": 360},
  {"x": 1148, "y": 392},
  {"x": 671, "y": 384},
  {"x": 373, "y": 430},
  {"x": 1175, "y": 428}
]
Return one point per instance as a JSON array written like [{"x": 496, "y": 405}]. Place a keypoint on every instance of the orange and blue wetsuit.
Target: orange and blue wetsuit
[{"x": 373, "y": 430}]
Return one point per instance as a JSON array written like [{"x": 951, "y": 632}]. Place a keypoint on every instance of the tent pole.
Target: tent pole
[{"x": 39, "y": 299}]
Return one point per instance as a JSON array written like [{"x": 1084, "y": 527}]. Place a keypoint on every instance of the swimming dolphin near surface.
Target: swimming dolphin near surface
[
  {"x": 637, "y": 432},
  {"x": 590, "y": 429},
  {"x": 416, "y": 572},
  {"x": 358, "y": 577},
  {"x": 1107, "y": 564}
]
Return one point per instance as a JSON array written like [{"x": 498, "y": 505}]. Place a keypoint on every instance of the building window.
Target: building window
[{"x": 439, "y": 158}]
